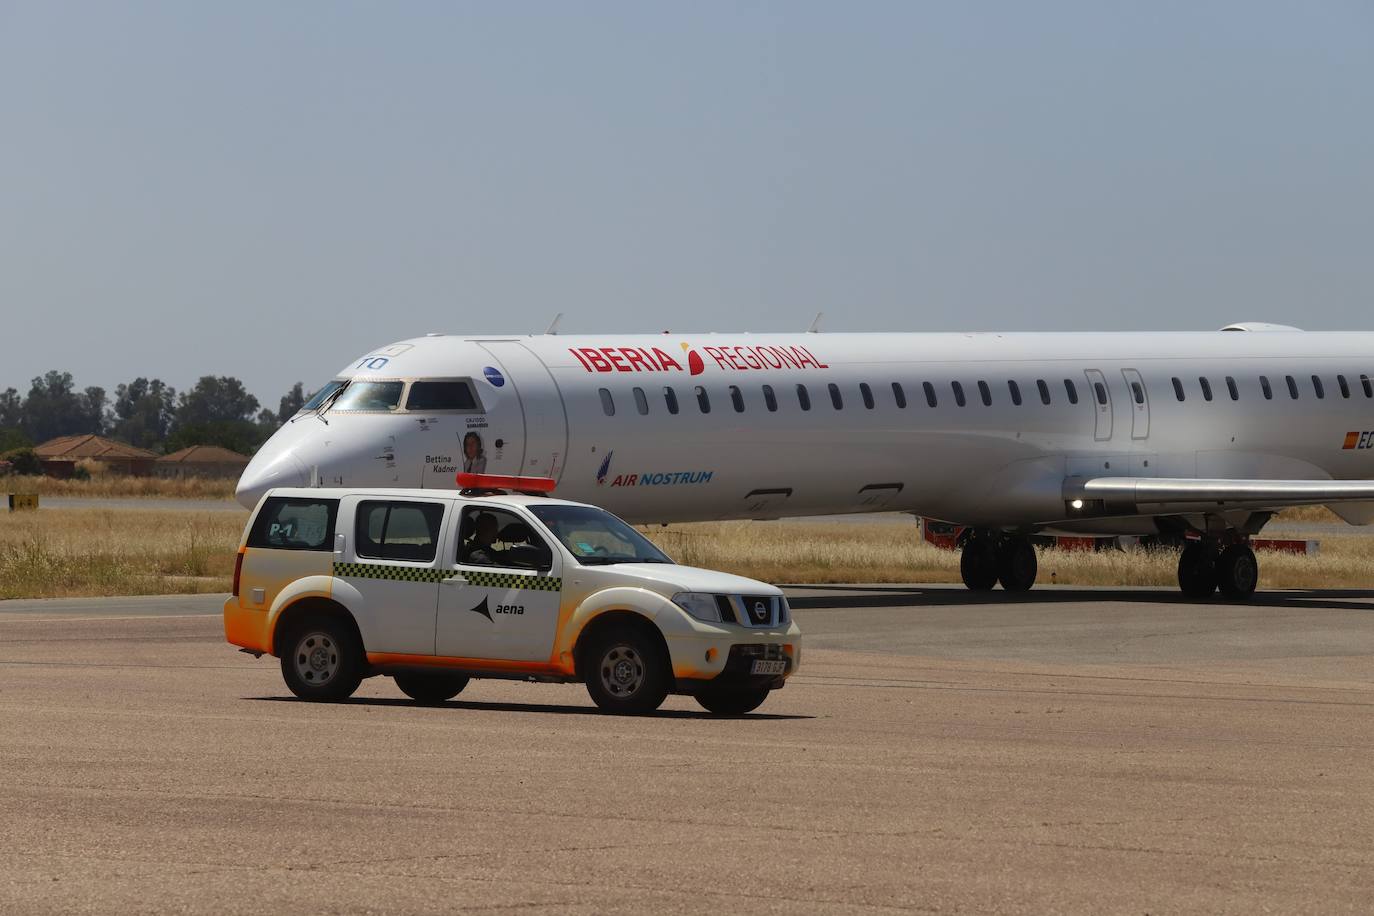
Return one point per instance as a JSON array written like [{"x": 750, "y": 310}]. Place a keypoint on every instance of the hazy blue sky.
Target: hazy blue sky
[{"x": 267, "y": 189}]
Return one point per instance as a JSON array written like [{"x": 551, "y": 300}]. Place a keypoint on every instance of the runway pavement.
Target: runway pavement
[{"x": 1072, "y": 750}]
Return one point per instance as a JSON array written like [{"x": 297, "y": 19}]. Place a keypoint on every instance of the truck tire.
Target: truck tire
[
  {"x": 431, "y": 688},
  {"x": 733, "y": 702},
  {"x": 626, "y": 671},
  {"x": 321, "y": 659}
]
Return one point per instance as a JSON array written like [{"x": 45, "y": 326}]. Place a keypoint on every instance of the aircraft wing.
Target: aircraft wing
[{"x": 1141, "y": 494}]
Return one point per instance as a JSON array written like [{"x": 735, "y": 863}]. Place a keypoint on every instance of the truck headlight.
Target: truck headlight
[{"x": 699, "y": 605}]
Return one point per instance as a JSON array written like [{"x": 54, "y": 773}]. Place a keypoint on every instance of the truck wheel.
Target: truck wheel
[
  {"x": 736, "y": 702},
  {"x": 431, "y": 688},
  {"x": 626, "y": 672},
  {"x": 322, "y": 659}
]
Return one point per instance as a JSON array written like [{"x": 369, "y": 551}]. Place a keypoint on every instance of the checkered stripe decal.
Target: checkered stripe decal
[{"x": 480, "y": 579}]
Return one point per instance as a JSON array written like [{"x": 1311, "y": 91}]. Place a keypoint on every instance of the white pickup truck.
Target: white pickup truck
[{"x": 500, "y": 581}]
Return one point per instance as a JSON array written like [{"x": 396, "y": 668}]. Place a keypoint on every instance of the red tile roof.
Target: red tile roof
[
  {"x": 73, "y": 448},
  {"x": 204, "y": 454}
]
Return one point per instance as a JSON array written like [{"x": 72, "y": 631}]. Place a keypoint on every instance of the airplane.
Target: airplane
[{"x": 1195, "y": 437}]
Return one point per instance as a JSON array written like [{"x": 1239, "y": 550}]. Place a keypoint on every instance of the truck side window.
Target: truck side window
[
  {"x": 399, "y": 530},
  {"x": 488, "y": 536},
  {"x": 295, "y": 524}
]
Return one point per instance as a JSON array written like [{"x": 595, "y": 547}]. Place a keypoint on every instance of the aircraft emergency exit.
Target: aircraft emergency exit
[{"x": 1191, "y": 436}]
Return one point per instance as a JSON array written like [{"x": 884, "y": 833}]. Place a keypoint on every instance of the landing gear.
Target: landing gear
[
  {"x": 1197, "y": 570},
  {"x": 1237, "y": 572},
  {"x": 978, "y": 565},
  {"x": 1202, "y": 569},
  {"x": 989, "y": 559},
  {"x": 1016, "y": 564}
]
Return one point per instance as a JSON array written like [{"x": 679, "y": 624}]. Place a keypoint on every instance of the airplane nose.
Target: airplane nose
[{"x": 268, "y": 470}]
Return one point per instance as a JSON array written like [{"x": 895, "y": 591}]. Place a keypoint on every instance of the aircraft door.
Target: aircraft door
[
  {"x": 1100, "y": 396},
  {"x": 546, "y": 422},
  {"x": 1140, "y": 403}
]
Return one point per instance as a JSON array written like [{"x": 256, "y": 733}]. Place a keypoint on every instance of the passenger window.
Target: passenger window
[
  {"x": 499, "y": 537},
  {"x": 1344, "y": 385},
  {"x": 703, "y": 400},
  {"x": 1367, "y": 385},
  {"x": 958, "y": 390},
  {"x": 930, "y": 393},
  {"x": 985, "y": 393},
  {"x": 295, "y": 524},
  {"x": 803, "y": 397},
  {"x": 607, "y": 402},
  {"x": 1137, "y": 392},
  {"x": 1264, "y": 386},
  {"x": 899, "y": 395},
  {"x": 1206, "y": 388},
  {"x": 1101, "y": 390},
  {"x": 641, "y": 401},
  {"x": 1015, "y": 390},
  {"x": 1317, "y": 386},
  {"x": 835, "y": 398},
  {"x": 1044, "y": 390},
  {"x": 398, "y": 531},
  {"x": 670, "y": 399},
  {"x": 369, "y": 396},
  {"x": 770, "y": 399},
  {"x": 737, "y": 398},
  {"x": 1071, "y": 390},
  {"x": 867, "y": 394},
  {"x": 1231, "y": 387},
  {"x": 1292, "y": 387},
  {"x": 1178, "y": 388},
  {"x": 440, "y": 396}
]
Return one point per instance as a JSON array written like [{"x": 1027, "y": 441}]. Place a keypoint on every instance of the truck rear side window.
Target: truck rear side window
[
  {"x": 295, "y": 524},
  {"x": 447, "y": 395},
  {"x": 399, "y": 530}
]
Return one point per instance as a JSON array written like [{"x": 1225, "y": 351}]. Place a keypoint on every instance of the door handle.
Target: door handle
[{"x": 453, "y": 580}]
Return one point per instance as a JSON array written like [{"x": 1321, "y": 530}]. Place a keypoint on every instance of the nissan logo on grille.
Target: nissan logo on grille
[{"x": 761, "y": 611}]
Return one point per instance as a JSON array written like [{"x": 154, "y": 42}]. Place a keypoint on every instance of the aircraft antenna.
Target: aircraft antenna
[
  {"x": 816, "y": 324},
  {"x": 553, "y": 325}
]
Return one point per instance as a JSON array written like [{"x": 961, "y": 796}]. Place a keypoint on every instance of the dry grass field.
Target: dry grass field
[
  {"x": 114, "y": 486},
  {"x": 70, "y": 552}
]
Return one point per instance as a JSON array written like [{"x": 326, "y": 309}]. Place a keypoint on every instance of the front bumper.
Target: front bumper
[{"x": 724, "y": 656}]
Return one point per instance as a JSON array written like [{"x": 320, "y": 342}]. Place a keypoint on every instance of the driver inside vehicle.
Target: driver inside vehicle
[{"x": 482, "y": 548}]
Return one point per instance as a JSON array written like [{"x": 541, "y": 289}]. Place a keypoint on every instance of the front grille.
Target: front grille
[{"x": 757, "y": 610}]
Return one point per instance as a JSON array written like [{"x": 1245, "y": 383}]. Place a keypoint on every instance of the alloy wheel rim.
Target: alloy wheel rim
[{"x": 622, "y": 671}]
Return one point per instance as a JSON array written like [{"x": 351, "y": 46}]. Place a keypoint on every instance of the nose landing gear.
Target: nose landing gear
[{"x": 989, "y": 558}]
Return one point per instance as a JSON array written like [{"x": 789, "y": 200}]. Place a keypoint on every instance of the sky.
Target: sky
[{"x": 267, "y": 189}]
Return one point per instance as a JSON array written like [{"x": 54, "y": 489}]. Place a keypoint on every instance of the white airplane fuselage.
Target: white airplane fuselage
[{"x": 593, "y": 413}]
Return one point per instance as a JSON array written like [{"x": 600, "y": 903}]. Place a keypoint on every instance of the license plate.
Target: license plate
[{"x": 768, "y": 666}]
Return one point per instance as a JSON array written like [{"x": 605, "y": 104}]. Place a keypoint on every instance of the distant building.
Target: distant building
[
  {"x": 59, "y": 456},
  {"x": 202, "y": 461}
]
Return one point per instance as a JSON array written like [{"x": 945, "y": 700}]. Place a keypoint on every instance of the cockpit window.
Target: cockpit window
[
  {"x": 358, "y": 395},
  {"x": 323, "y": 394},
  {"x": 440, "y": 395}
]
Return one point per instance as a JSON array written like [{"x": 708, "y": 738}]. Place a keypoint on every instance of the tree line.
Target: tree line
[{"x": 147, "y": 413}]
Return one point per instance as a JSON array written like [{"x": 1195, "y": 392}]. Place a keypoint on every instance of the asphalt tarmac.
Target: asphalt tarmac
[{"x": 1073, "y": 750}]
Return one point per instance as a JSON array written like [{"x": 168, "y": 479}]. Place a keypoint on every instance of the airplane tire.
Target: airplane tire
[
  {"x": 1237, "y": 572},
  {"x": 1016, "y": 564},
  {"x": 978, "y": 564},
  {"x": 1197, "y": 576},
  {"x": 431, "y": 688}
]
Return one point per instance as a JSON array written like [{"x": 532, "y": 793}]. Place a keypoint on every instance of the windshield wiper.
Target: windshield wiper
[{"x": 327, "y": 403}]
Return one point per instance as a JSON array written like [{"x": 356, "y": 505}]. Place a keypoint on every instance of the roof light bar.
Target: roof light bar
[{"x": 505, "y": 482}]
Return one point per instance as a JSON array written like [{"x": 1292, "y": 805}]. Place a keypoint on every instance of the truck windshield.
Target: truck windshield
[{"x": 596, "y": 537}]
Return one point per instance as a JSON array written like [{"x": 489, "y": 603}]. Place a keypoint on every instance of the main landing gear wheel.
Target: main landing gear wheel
[
  {"x": 431, "y": 688},
  {"x": 1016, "y": 564},
  {"x": 321, "y": 659},
  {"x": 978, "y": 564},
  {"x": 626, "y": 671},
  {"x": 1237, "y": 572},
  {"x": 1197, "y": 576}
]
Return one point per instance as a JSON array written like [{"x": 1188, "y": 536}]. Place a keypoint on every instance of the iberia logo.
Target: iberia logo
[{"x": 730, "y": 359}]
